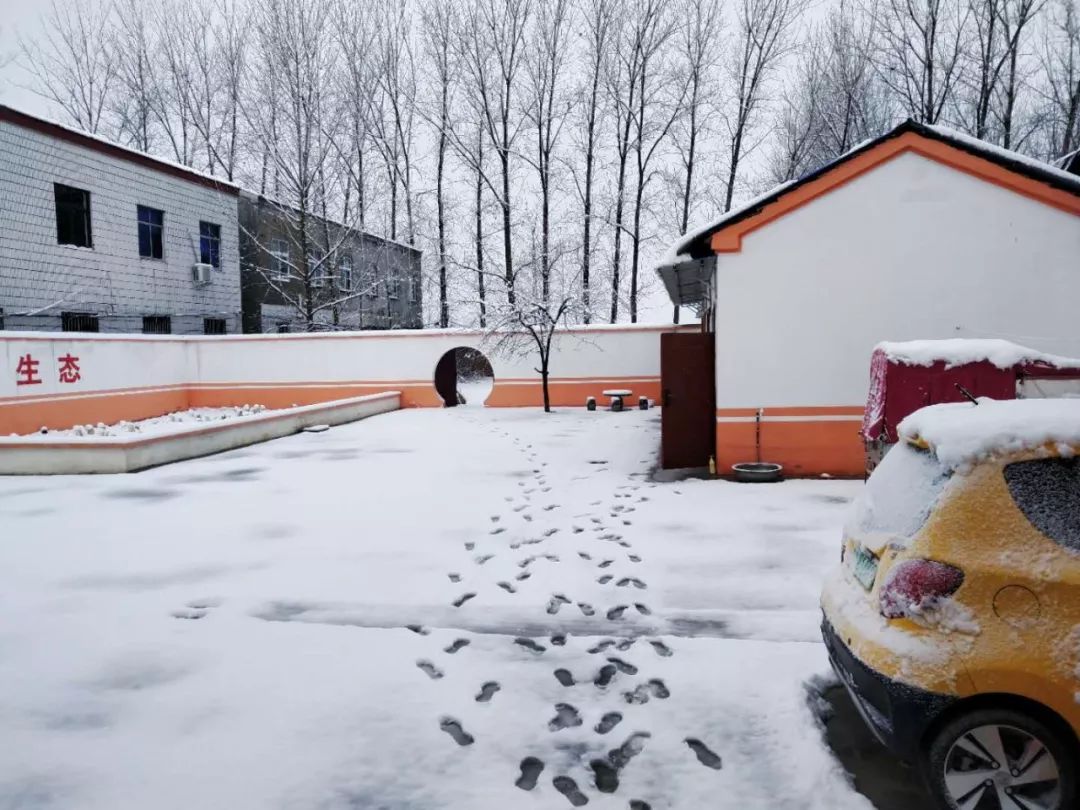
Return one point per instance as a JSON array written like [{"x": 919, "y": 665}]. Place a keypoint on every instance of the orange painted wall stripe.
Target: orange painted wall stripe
[
  {"x": 804, "y": 448},
  {"x": 61, "y": 411},
  {"x": 811, "y": 410},
  {"x": 729, "y": 239}
]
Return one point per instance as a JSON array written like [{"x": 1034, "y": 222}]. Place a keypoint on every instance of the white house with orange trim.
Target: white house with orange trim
[{"x": 922, "y": 233}]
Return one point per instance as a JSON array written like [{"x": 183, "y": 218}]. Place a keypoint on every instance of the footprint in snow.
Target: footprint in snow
[
  {"x": 531, "y": 767},
  {"x": 624, "y": 667},
  {"x": 556, "y": 602},
  {"x": 559, "y": 639},
  {"x": 605, "y": 777},
  {"x": 487, "y": 691},
  {"x": 605, "y": 579},
  {"x": 461, "y": 600},
  {"x": 524, "y": 575},
  {"x": 603, "y": 645},
  {"x": 564, "y": 676},
  {"x": 506, "y": 586},
  {"x": 429, "y": 669},
  {"x": 550, "y": 532},
  {"x": 661, "y": 648},
  {"x": 454, "y": 577},
  {"x": 420, "y": 630},
  {"x": 625, "y": 644},
  {"x": 470, "y": 546},
  {"x": 530, "y": 645},
  {"x": 585, "y": 555},
  {"x": 454, "y": 729},
  {"x": 608, "y": 722},
  {"x": 705, "y": 755},
  {"x": 633, "y": 558},
  {"x": 566, "y": 716},
  {"x": 631, "y": 747},
  {"x": 642, "y": 609},
  {"x": 577, "y": 529},
  {"x": 605, "y": 675},
  {"x": 568, "y": 788},
  {"x": 638, "y": 804},
  {"x": 189, "y": 613},
  {"x": 456, "y": 645},
  {"x": 605, "y": 563},
  {"x": 551, "y": 506},
  {"x": 497, "y": 530},
  {"x": 586, "y": 609}
]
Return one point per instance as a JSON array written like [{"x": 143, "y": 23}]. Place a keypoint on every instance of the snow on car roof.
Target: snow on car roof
[
  {"x": 962, "y": 433},
  {"x": 960, "y": 351}
]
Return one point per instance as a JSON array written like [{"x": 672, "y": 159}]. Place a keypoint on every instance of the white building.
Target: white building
[
  {"x": 96, "y": 237},
  {"x": 922, "y": 233}
]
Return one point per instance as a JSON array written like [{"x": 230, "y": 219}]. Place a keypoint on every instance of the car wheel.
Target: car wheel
[{"x": 1000, "y": 759}]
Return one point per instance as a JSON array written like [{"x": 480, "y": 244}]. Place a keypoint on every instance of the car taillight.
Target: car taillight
[{"x": 914, "y": 586}]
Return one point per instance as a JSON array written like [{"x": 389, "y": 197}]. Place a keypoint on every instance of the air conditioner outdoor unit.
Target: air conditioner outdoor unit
[{"x": 200, "y": 273}]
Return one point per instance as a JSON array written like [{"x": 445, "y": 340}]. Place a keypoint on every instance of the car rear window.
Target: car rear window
[
  {"x": 1047, "y": 491},
  {"x": 900, "y": 493}
]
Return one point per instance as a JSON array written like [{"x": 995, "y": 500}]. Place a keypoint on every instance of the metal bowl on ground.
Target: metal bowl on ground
[{"x": 757, "y": 472}]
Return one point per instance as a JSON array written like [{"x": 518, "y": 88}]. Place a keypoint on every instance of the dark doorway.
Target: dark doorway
[
  {"x": 463, "y": 376},
  {"x": 688, "y": 417}
]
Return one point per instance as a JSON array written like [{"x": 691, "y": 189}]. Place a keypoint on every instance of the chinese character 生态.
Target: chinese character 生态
[
  {"x": 69, "y": 369},
  {"x": 27, "y": 371}
]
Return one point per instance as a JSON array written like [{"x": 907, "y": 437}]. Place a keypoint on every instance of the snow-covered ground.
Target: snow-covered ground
[
  {"x": 176, "y": 422},
  {"x": 233, "y": 632}
]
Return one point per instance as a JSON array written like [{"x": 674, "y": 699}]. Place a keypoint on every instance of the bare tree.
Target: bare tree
[
  {"x": 699, "y": 46},
  {"x": 992, "y": 82},
  {"x": 493, "y": 51},
  {"x": 74, "y": 64},
  {"x": 921, "y": 53},
  {"x": 1060, "y": 61},
  {"x": 439, "y": 27},
  {"x": 135, "y": 48},
  {"x": 548, "y": 108},
  {"x": 528, "y": 328},
  {"x": 598, "y": 25},
  {"x": 762, "y": 39},
  {"x": 357, "y": 29},
  {"x": 660, "y": 96},
  {"x": 299, "y": 138}
]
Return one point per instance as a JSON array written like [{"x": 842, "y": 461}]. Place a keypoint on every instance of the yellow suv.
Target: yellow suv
[{"x": 953, "y": 618}]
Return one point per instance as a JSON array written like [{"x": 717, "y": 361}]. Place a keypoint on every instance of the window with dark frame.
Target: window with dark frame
[
  {"x": 73, "y": 216},
  {"x": 345, "y": 280},
  {"x": 79, "y": 322},
  {"x": 279, "y": 259},
  {"x": 157, "y": 325},
  {"x": 283, "y": 328},
  {"x": 151, "y": 232},
  {"x": 210, "y": 244},
  {"x": 214, "y": 326}
]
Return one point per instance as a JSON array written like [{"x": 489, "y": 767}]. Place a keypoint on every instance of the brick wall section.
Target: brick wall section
[{"x": 39, "y": 276}]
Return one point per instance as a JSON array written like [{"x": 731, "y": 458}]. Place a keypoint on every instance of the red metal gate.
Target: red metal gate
[{"x": 688, "y": 417}]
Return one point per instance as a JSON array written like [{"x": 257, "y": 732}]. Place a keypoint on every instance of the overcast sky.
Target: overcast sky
[{"x": 18, "y": 16}]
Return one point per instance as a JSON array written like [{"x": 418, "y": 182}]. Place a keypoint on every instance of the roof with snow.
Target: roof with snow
[
  {"x": 98, "y": 144},
  {"x": 696, "y": 244},
  {"x": 725, "y": 234},
  {"x": 961, "y": 351},
  {"x": 962, "y": 433}
]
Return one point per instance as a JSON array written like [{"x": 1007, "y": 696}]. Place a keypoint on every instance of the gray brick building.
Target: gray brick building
[
  {"x": 96, "y": 237},
  {"x": 355, "y": 280}
]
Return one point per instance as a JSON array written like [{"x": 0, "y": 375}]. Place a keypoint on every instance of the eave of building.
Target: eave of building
[{"x": 97, "y": 144}]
